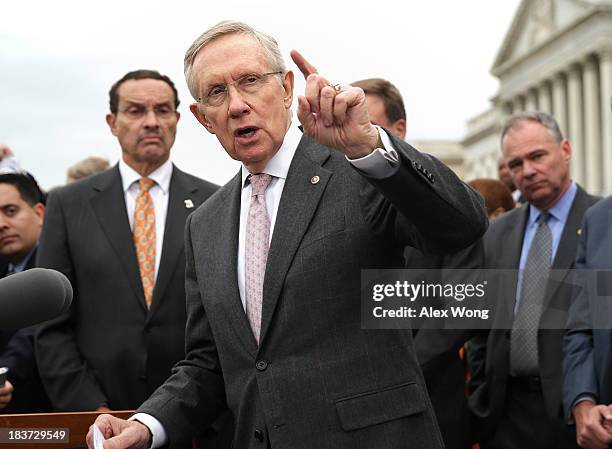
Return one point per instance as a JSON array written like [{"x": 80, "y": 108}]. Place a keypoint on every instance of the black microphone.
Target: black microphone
[{"x": 33, "y": 296}]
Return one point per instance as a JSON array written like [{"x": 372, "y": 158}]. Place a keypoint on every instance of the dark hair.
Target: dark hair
[
  {"x": 495, "y": 193},
  {"x": 392, "y": 99},
  {"x": 139, "y": 75},
  {"x": 26, "y": 185}
]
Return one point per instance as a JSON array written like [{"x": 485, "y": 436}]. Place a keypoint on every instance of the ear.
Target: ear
[
  {"x": 567, "y": 150},
  {"x": 39, "y": 210},
  {"x": 288, "y": 87},
  {"x": 198, "y": 114},
  {"x": 111, "y": 119},
  {"x": 399, "y": 128}
]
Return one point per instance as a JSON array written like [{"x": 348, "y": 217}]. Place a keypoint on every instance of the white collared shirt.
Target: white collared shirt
[
  {"x": 159, "y": 194},
  {"x": 377, "y": 164}
]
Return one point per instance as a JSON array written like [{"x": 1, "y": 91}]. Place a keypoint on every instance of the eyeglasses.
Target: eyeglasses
[
  {"x": 247, "y": 84},
  {"x": 137, "y": 112}
]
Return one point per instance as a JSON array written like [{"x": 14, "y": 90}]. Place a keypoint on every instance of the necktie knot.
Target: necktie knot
[
  {"x": 543, "y": 218},
  {"x": 145, "y": 184},
  {"x": 259, "y": 183}
]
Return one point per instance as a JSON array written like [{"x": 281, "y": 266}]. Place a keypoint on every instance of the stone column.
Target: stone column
[
  {"x": 605, "y": 75},
  {"x": 531, "y": 101},
  {"x": 518, "y": 105},
  {"x": 592, "y": 141},
  {"x": 544, "y": 98},
  {"x": 560, "y": 103},
  {"x": 575, "y": 125}
]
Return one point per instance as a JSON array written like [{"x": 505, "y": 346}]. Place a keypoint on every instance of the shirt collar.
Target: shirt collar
[
  {"x": 20, "y": 266},
  {"x": 560, "y": 210},
  {"x": 161, "y": 175},
  {"x": 280, "y": 162}
]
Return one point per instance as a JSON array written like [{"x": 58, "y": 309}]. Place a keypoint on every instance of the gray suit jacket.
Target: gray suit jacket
[
  {"x": 502, "y": 250},
  {"x": 587, "y": 352},
  {"x": 317, "y": 380},
  {"x": 109, "y": 348}
]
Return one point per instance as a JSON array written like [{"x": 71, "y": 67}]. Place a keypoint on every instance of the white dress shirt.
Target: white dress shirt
[
  {"x": 381, "y": 163},
  {"x": 159, "y": 194}
]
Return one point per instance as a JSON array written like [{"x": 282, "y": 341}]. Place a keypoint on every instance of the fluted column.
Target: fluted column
[
  {"x": 544, "y": 100},
  {"x": 518, "y": 105},
  {"x": 575, "y": 123},
  {"x": 605, "y": 76},
  {"x": 531, "y": 101},
  {"x": 592, "y": 143},
  {"x": 560, "y": 103}
]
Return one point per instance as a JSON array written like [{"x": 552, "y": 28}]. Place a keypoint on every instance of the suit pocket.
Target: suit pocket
[{"x": 368, "y": 409}]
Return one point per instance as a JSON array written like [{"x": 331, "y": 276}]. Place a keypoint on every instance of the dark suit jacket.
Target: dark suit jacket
[
  {"x": 438, "y": 352},
  {"x": 17, "y": 354},
  {"x": 587, "y": 354},
  {"x": 109, "y": 348},
  {"x": 316, "y": 380},
  {"x": 502, "y": 250}
]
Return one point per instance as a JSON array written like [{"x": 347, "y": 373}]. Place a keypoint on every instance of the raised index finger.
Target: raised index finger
[{"x": 305, "y": 67}]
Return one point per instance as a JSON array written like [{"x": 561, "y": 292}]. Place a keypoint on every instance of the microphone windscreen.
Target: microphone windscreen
[{"x": 33, "y": 296}]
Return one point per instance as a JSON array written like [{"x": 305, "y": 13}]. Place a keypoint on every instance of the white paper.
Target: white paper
[{"x": 98, "y": 438}]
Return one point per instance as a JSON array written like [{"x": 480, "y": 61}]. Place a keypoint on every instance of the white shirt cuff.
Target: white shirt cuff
[
  {"x": 380, "y": 163},
  {"x": 157, "y": 430}
]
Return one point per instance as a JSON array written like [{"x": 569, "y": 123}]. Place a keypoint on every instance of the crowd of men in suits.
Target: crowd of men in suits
[{"x": 232, "y": 314}]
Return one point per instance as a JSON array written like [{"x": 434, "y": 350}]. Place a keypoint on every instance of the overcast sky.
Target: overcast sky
[{"x": 59, "y": 58}]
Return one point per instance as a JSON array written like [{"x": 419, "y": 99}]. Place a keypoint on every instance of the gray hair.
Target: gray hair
[
  {"x": 268, "y": 44},
  {"x": 546, "y": 120}
]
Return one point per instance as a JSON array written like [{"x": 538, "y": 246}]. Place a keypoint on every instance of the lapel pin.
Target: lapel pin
[
  {"x": 314, "y": 180},
  {"x": 579, "y": 231},
  {"x": 189, "y": 204}
]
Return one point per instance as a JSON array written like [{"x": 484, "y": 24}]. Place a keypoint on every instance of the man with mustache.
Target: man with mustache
[{"x": 118, "y": 237}]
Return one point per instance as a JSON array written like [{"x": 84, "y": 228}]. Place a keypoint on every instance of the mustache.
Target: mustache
[{"x": 150, "y": 133}]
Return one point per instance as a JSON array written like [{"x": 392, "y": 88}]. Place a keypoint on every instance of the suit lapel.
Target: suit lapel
[
  {"x": 225, "y": 256},
  {"x": 297, "y": 206},
  {"x": 108, "y": 203},
  {"x": 180, "y": 190},
  {"x": 566, "y": 252},
  {"x": 512, "y": 259}
]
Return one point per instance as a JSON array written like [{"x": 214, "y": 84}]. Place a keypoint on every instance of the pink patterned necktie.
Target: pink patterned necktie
[{"x": 256, "y": 250}]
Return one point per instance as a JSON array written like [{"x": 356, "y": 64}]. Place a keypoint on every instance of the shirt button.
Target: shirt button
[
  {"x": 261, "y": 365},
  {"x": 259, "y": 436}
]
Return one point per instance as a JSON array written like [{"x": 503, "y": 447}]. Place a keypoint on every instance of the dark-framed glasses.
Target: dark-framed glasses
[{"x": 247, "y": 84}]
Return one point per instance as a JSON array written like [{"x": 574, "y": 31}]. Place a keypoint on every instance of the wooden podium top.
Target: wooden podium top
[{"x": 44, "y": 428}]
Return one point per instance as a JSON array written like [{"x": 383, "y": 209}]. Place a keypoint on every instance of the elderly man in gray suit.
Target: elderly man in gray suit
[{"x": 274, "y": 260}]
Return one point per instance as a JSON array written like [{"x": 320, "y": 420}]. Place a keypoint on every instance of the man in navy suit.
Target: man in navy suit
[
  {"x": 21, "y": 218},
  {"x": 587, "y": 367}
]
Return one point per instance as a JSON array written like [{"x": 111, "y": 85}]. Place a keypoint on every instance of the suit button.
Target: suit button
[
  {"x": 142, "y": 378},
  {"x": 259, "y": 436},
  {"x": 261, "y": 365}
]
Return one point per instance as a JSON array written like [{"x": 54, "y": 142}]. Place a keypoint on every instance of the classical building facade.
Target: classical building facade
[{"x": 556, "y": 58}]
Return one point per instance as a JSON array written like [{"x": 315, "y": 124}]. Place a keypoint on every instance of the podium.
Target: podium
[{"x": 40, "y": 430}]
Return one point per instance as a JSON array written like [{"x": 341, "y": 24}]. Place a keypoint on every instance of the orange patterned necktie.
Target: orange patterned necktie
[{"x": 144, "y": 237}]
